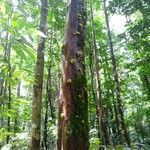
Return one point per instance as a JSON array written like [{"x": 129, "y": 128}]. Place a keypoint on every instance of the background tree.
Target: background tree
[
  {"x": 122, "y": 131},
  {"x": 37, "y": 88}
]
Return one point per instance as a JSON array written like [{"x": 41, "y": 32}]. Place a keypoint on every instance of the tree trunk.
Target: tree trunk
[
  {"x": 93, "y": 90},
  {"x": 73, "y": 107},
  {"x": 37, "y": 88},
  {"x": 119, "y": 109},
  {"x": 9, "y": 93},
  {"x": 101, "y": 110},
  {"x": 49, "y": 94},
  {"x": 45, "y": 135},
  {"x": 109, "y": 97},
  {"x": 16, "y": 117}
]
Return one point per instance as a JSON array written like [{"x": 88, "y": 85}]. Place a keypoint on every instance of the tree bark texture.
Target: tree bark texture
[
  {"x": 37, "y": 88},
  {"x": 73, "y": 108}
]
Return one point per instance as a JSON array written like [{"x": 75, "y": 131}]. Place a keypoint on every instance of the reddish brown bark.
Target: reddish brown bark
[{"x": 73, "y": 108}]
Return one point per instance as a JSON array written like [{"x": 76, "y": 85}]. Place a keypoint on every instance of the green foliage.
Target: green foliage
[
  {"x": 3, "y": 134},
  {"x": 94, "y": 143}
]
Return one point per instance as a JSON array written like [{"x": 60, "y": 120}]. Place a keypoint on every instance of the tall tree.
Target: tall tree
[
  {"x": 100, "y": 102},
  {"x": 119, "y": 109},
  {"x": 37, "y": 88},
  {"x": 73, "y": 107}
]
